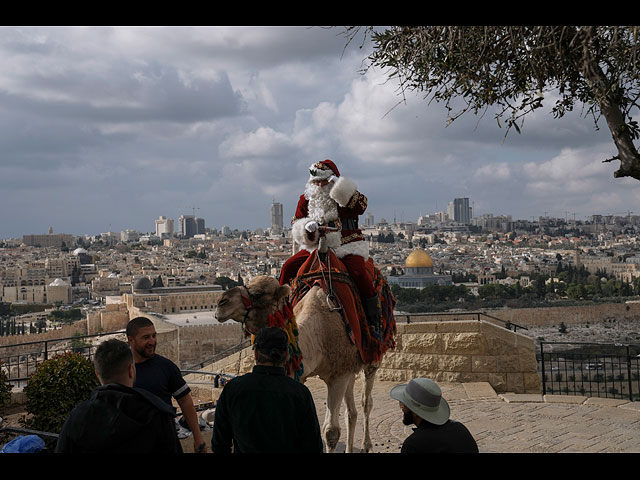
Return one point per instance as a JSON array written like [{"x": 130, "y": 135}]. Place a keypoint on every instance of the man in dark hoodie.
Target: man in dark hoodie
[{"x": 118, "y": 418}]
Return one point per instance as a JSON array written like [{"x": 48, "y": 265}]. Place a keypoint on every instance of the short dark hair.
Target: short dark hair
[
  {"x": 112, "y": 360},
  {"x": 136, "y": 324},
  {"x": 272, "y": 345}
]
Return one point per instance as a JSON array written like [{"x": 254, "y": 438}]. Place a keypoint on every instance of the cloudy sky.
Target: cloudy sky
[{"x": 104, "y": 129}]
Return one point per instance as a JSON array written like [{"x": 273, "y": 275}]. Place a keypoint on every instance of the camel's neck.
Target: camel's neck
[{"x": 311, "y": 317}]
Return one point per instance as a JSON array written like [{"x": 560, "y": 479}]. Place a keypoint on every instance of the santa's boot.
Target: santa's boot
[{"x": 373, "y": 311}]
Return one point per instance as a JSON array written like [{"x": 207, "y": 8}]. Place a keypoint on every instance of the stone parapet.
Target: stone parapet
[
  {"x": 448, "y": 352},
  {"x": 463, "y": 351}
]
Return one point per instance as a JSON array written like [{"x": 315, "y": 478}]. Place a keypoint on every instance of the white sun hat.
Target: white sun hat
[{"x": 424, "y": 398}]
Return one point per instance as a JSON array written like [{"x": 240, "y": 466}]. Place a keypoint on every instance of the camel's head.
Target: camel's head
[{"x": 252, "y": 304}]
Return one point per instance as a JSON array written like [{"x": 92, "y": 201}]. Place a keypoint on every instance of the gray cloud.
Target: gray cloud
[{"x": 107, "y": 128}]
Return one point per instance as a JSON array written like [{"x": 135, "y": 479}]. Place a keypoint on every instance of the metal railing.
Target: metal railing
[
  {"x": 476, "y": 315},
  {"x": 220, "y": 355},
  {"x": 30, "y": 354},
  {"x": 590, "y": 369}
]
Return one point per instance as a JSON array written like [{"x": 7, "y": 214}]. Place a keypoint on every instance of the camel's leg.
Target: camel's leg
[
  {"x": 351, "y": 413},
  {"x": 336, "y": 388},
  {"x": 369, "y": 377}
]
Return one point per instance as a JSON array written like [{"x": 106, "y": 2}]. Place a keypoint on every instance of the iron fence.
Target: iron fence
[
  {"x": 411, "y": 317},
  {"x": 590, "y": 369},
  {"x": 21, "y": 360}
]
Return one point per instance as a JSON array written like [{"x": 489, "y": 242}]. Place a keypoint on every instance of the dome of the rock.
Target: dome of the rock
[{"x": 418, "y": 259}]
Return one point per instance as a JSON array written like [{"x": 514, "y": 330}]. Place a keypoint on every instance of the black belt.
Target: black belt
[{"x": 349, "y": 223}]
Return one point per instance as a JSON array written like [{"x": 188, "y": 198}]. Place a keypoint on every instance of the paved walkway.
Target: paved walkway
[{"x": 506, "y": 423}]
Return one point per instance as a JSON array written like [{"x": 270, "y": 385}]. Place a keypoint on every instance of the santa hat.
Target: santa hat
[{"x": 324, "y": 169}]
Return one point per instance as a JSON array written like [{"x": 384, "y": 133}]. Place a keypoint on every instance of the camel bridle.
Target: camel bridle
[{"x": 246, "y": 300}]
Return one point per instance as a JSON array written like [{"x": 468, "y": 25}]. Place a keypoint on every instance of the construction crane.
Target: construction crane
[{"x": 194, "y": 209}]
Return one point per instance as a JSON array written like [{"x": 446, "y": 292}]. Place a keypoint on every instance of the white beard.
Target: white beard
[{"x": 322, "y": 208}]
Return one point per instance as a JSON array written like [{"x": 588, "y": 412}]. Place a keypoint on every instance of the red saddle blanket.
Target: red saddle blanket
[{"x": 333, "y": 278}]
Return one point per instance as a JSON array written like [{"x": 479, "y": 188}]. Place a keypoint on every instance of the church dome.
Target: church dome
[
  {"x": 418, "y": 259},
  {"x": 142, "y": 284}
]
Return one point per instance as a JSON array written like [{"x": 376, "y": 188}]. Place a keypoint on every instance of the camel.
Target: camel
[{"x": 326, "y": 349}]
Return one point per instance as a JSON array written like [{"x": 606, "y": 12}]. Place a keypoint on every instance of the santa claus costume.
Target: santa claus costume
[{"x": 332, "y": 200}]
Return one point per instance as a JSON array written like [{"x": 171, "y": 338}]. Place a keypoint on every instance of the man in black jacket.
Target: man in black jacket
[
  {"x": 266, "y": 411},
  {"x": 118, "y": 418},
  {"x": 422, "y": 405}
]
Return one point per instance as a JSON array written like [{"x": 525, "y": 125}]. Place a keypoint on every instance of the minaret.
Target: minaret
[{"x": 578, "y": 262}]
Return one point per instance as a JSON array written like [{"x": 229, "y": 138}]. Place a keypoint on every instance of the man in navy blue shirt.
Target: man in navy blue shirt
[{"x": 161, "y": 376}]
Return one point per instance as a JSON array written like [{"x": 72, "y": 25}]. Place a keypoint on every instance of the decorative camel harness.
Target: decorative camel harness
[{"x": 284, "y": 319}]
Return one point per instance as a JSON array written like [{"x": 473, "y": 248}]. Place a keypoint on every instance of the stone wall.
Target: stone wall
[
  {"x": 463, "y": 351},
  {"x": 112, "y": 318},
  {"x": 65, "y": 331},
  {"x": 541, "y": 316},
  {"x": 199, "y": 343},
  {"x": 454, "y": 351},
  {"x": 236, "y": 364},
  {"x": 569, "y": 315}
]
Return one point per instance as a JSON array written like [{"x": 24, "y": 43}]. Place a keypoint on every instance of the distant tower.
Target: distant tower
[
  {"x": 164, "y": 227},
  {"x": 461, "y": 210},
  {"x": 188, "y": 226},
  {"x": 50, "y": 230},
  {"x": 277, "y": 224},
  {"x": 199, "y": 226},
  {"x": 369, "y": 220}
]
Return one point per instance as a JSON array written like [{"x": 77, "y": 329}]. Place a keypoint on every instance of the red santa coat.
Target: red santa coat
[
  {"x": 349, "y": 205},
  {"x": 349, "y": 244}
]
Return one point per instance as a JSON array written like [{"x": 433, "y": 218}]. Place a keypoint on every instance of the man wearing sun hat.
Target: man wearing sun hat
[{"x": 422, "y": 404}]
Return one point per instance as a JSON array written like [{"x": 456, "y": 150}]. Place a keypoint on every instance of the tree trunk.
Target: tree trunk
[
  {"x": 627, "y": 152},
  {"x": 605, "y": 95}
]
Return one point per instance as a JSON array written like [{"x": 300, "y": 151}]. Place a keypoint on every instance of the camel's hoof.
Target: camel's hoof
[
  {"x": 331, "y": 437},
  {"x": 367, "y": 447}
]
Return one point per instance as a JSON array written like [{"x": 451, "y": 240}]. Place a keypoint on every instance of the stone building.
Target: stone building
[
  {"x": 419, "y": 272},
  {"x": 59, "y": 291},
  {"x": 176, "y": 299}
]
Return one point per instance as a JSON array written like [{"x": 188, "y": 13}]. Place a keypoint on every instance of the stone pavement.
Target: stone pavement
[{"x": 505, "y": 423}]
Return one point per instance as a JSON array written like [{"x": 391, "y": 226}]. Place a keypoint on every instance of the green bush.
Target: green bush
[
  {"x": 5, "y": 390},
  {"x": 55, "y": 388}
]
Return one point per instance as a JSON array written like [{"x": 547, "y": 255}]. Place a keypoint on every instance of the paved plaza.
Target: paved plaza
[{"x": 507, "y": 423}]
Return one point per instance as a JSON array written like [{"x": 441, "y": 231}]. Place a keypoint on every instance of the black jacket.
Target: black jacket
[
  {"x": 266, "y": 412},
  {"x": 452, "y": 437},
  {"x": 119, "y": 419}
]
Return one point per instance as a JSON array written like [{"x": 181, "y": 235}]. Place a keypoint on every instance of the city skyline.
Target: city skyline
[
  {"x": 106, "y": 129},
  {"x": 161, "y": 229}
]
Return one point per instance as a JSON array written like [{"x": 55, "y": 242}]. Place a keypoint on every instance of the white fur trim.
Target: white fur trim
[
  {"x": 333, "y": 242},
  {"x": 334, "y": 239},
  {"x": 320, "y": 174},
  {"x": 360, "y": 248},
  {"x": 342, "y": 191},
  {"x": 299, "y": 233}
]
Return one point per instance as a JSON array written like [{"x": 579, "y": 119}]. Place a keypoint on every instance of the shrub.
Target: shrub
[
  {"x": 55, "y": 388},
  {"x": 5, "y": 390}
]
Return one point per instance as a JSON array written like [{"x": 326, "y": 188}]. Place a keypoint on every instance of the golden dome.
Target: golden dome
[{"x": 418, "y": 258}]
